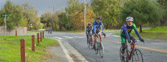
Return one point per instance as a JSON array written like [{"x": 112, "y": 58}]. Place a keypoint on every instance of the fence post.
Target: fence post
[
  {"x": 38, "y": 38},
  {"x": 33, "y": 43},
  {"x": 43, "y": 34},
  {"x": 16, "y": 32},
  {"x": 22, "y": 47}
]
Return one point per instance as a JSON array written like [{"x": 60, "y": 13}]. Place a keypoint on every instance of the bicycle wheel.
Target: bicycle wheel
[
  {"x": 137, "y": 56},
  {"x": 101, "y": 50},
  {"x": 126, "y": 57},
  {"x": 97, "y": 48}
]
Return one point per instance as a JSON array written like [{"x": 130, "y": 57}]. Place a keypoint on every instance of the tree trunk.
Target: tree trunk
[{"x": 141, "y": 29}]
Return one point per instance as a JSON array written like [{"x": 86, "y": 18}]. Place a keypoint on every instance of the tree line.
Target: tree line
[
  {"x": 20, "y": 16},
  {"x": 113, "y": 12}
]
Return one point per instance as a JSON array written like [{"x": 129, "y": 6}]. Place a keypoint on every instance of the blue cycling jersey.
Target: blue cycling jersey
[{"x": 96, "y": 26}]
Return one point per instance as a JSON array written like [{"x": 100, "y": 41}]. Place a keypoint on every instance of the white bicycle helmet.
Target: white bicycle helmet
[{"x": 129, "y": 19}]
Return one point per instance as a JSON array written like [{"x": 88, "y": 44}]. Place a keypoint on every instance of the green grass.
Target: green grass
[
  {"x": 31, "y": 32},
  {"x": 10, "y": 49},
  {"x": 159, "y": 33}
]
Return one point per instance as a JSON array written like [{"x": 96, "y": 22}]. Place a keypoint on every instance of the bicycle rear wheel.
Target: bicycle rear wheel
[
  {"x": 126, "y": 55},
  {"x": 137, "y": 56}
]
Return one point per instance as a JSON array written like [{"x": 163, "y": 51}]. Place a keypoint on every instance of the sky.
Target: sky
[{"x": 42, "y": 5}]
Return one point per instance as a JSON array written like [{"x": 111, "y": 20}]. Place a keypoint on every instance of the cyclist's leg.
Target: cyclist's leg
[
  {"x": 100, "y": 38},
  {"x": 123, "y": 42},
  {"x": 87, "y": 37},
  {"x": 133, "y": 39}
]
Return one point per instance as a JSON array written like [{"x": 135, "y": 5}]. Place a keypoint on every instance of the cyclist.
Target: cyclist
[
  {"x": 97, "y": 24},
  {"x": 125, "y": 33},
  {"x": 88, "y": 30}
]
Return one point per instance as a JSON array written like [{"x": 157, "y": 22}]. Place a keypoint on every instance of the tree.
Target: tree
[
  {"x": 31, "y": 16},
  {"x": 143, "y": 11},
  {"x": 109, "y": 10},
  {"x": 15, "y": 14},
  {"x": 163, "y": 3}
]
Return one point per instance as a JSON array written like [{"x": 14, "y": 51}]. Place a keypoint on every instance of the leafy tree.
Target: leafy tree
[
  {"x": 31, "y": 16},
  {"x": 163, "y": 3},
  {"x": 15, "y": 15},
  {"x": 143, "y": 11},
  {"x": 109, "y": 10}
]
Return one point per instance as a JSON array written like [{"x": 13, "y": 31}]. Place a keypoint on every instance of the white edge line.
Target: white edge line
[{"x": 66, "y": 52}]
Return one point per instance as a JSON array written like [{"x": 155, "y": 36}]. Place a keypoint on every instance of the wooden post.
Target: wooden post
[
  {"x": 33, "y": 42},
  {"x": 38, "y": 38},
  {"x": 22, "y": 47},
  {"x": 16, "y": 32},
  {"x": 43, "y": 34}
]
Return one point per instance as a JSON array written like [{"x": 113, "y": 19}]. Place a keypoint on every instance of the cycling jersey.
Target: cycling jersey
[
  {"x": 88, "y": 30},
  {"x": 96, "y": 26},
  {"x": 126, "y": 30}
]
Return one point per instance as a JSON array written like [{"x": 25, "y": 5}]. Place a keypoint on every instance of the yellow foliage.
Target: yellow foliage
[{"x": 78, "y": 18}]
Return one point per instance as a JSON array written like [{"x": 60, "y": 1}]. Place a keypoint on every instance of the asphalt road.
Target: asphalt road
[{"x": 152, "y": 50}]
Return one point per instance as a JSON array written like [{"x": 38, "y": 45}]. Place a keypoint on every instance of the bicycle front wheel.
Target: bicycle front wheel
[
  {"x": 137, "y": 56},
  {"x": 101, "y": 50}
]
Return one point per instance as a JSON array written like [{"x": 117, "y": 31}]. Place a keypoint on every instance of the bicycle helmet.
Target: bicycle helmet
[{"x": 129, "y": 19}]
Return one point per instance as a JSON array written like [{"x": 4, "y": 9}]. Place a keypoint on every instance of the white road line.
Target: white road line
[
  {"x": 57, "y": 38},
  {"x": 115, "y": 35},
  {"x": 68, "y": 37},
  {"x": 65, "y": 51}
]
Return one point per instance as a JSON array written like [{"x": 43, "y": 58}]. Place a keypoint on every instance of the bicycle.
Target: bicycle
[
  {"x": 99, "y": 48},
  {"x": 89, "y": 42},
  {"x": 134, "y": 55}
]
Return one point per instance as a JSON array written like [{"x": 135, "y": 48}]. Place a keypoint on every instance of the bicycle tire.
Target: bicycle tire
[
  {"x": 101, "y": 50},
  {"x": 137, "y": 53}
]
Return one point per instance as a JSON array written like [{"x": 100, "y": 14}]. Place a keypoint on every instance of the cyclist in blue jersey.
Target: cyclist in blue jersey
[
  {"x": 125, "y": 33},
  {"x": 97, "y": 24}
]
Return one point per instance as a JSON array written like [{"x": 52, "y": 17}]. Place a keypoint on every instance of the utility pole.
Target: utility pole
[{"x": 85, "y": 15}]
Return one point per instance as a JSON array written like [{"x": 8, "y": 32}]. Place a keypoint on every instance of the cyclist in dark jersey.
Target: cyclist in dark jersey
[
  {"x": 88, "y": 30},
  {"x": 125, "y": 33}
]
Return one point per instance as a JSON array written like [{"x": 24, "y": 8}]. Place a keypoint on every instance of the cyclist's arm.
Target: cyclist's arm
[
  {"x": 101, "y": 27},
  {"x": 126, "y": 33},
  {"x": 135, "y": 29},
  {"x": 94, "y": 27}
]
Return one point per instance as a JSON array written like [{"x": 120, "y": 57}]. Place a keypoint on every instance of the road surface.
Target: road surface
[{"x": 152, "y": 50}]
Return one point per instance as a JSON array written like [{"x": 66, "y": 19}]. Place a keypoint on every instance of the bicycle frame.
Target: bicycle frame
[{"x": 133, "y": 48}]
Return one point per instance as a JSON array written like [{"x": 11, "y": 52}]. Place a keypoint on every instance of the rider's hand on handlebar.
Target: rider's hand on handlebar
[{"x": 142, "y": 40}]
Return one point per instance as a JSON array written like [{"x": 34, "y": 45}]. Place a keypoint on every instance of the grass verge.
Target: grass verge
[
  {"x": 159, "y": 33},
  {"x": 10, "y": 49},
  {"x": 31, "y": 32}
]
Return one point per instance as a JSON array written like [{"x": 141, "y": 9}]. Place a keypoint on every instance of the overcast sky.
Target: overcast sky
[{"x": 41, "y": 5}]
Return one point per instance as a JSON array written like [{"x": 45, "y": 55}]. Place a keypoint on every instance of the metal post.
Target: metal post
[
  {"x": 5, "y": 25},
  {"x": 33, "y": 43},
  {"x": 85, "y": 14},
  {"x": 22, "y": 47}
]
